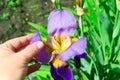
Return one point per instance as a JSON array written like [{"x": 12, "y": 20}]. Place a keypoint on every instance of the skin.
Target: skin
[{"x": 15, "y": 55}]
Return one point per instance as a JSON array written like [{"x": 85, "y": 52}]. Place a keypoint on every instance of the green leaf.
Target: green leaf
[
  {"x": 118, "y": 57},
  {"x": 96, "y": 77},
  {"x": 84, "y": 77},
  {"x": 97, "y": 49},
  {"x": 115, "y": 67},
  {"x": 116, "y": 31},
  {"x": 41, "y": 28},
  {"x": 71, "y": 10},
  {"x": 93, "y": 16},
  {"x": 87, "y": 67}
]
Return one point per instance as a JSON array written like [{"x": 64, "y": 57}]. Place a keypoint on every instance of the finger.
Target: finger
[
  {"x": 33, "y": 68},
  {"x": 31, "y": 51},
  {"x": 17, "y": 43}
]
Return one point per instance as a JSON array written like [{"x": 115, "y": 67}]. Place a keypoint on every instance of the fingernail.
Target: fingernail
[{"x": 40, "y": 44}]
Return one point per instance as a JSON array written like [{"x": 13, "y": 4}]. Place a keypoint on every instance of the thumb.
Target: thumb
[{"x": 30, "y": 51}]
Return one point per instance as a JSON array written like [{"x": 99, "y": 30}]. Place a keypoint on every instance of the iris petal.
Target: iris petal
[
  {"x": 77, "y": 48},
  {"x": 42, "y": 56},
  {"x": 83, "y": 55},
  {"x": 62, "y": 73},
  {"x": 61, "y": 22},
  {"x": 35, "y": 37}
]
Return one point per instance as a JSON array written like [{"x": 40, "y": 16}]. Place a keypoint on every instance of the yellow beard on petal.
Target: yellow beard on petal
[
  {"x": 57, "y": 62},
  {"x": 74, "y": 40},
  {"x": 60, "y": 43},
  {"x": 57, "y": 44}
]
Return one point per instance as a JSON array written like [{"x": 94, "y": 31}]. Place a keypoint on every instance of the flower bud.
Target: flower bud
[
  {"x": 79, "y": 6},
  {"x": 118, "y": 4},
  {"x": 53, "y": 1},
  {"x": 80, "y": 10},
  {"x": 80, "y": 3}
]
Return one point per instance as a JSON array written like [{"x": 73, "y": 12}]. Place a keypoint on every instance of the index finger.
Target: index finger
[{"x": 18, "y": 43}]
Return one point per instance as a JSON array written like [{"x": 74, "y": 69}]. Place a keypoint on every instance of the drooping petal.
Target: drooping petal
[
  {"x": 77, "y": 48},
  {"x": 61, "y": 73},
  {"x": 77, "y": 60},
  {"x": 61, "y": 22},
  {"x": 42, "y": 56},
  {"x": 83, "y": 55},
  {"x": 54, "y": 74}
]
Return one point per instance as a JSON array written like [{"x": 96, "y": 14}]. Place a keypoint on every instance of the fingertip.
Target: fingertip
[
  {"x": 39, "y": 44},
  {"x": 31, "y": 50}
]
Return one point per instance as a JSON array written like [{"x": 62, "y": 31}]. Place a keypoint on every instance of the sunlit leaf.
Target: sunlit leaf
[
  {"x": 40, "y": 28},
  {"x": 84, "y": 77},
  {"x": 115, "y": 67},
  {"x": 116, "y": 31}
]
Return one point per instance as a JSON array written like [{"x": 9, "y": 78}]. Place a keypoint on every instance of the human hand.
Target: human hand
[{"x": 15, "y": 55}]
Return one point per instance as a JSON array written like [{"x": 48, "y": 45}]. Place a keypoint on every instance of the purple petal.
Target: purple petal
[
  {"x": 42, "y": 56},
  {"x": 77, "y": 48},
  {"x": 54, "y": 74},
  {"x": 61, "y": 22},
  {"x": 62, "y": 73},
  {"x": 77, "y": 60},
  {"x": 36, "y": 37},
  {"x": 83, "y": 55}
]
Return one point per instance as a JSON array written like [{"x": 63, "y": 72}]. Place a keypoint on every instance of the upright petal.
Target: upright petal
[
  {"x": 61, "y": 22},
  {"x": 42, "y": 56},
  {"x": 77, "y": 48},
  {"x": 62, "y": 73}
]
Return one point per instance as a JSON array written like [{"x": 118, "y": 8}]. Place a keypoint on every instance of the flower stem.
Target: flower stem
[
  {"x": 80, "y": 25},
  {"x": 59, "y": 4},
  {"x": 94, "y": 65},
  {"x": 55, "y": 5},
  {"x": 113, "y": 39}
]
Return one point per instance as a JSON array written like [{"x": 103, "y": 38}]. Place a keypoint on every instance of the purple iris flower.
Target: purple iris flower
[{"x": 61, "y": 46}]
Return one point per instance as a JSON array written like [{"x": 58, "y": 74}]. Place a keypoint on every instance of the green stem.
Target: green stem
[
  {"x": 59, "y": 4},
  {"x": 80, "y": 25},
  {"x": 101, "y": 36},
  {"x": 112, "y": 42},
  {"x": 116, "y": 18},
  {"x": 94, "y": 65},
  {"x": 55, "y": 5},
  {"x": 111, "y": 48},
  {"x": 118, "y": 53}
]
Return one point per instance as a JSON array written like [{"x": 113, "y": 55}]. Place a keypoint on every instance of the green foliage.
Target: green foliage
[
  {"x": 103, "y": 36},
  {"x": 101, "y": 25},
  {"x": 13, "y": 3},
  {"x": 42, "y": 74},
  {"x": 41, "y": 28},
  {"x": 4, "y": 16}
]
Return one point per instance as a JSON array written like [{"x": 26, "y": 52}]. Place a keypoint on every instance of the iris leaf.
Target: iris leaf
[
  {"x": 115, "y": 67},
  {"x": 41, "y": 28}
]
